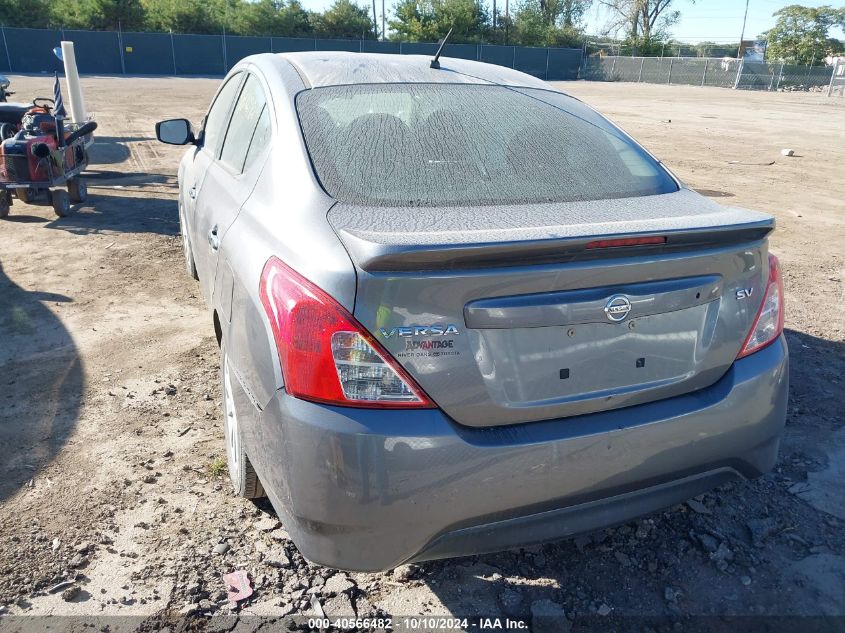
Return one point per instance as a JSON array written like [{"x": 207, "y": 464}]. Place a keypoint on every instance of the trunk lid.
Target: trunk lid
[{"x": 507, "y": 315}]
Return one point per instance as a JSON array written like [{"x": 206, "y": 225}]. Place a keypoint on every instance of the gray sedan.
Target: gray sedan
[{"x": 460, "y": 311}]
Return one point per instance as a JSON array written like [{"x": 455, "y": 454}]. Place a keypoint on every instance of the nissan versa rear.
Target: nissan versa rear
[{"x": 459, "y": 311}]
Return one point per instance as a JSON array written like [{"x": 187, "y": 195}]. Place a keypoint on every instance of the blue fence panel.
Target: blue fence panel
[
  {"x": 564, "y": 63},
  {"x": 419, "y": 48},
  {"x": 353, "y": 46},
  {"x": 238, "y": 47},
  {"x": 531, "y": 60},
  {"x": 31, "y": 50},
  {"x": 96, "y": 51},
  {"x": 500, "y": 55},
  {"x": 148, "y": 54},
  {"x": 4, "y": 57},
  {"x": 99, "y": 52},
  {"x": 461, "y": 51},
  {"x": 292, "y": 44},
  {"x": 199, "y": 54},
  {"x": 373, "y": 46}
]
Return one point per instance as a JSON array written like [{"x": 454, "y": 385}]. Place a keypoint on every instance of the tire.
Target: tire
[
  {"x": 5, "y": 203},
  {"x": 24, "y": 194},
  {"x": 244, "y": 480},
  {"x": 60, "y": 199},
  {"x": 77, "y": 189},
  {"x": 187, "y": 249}
]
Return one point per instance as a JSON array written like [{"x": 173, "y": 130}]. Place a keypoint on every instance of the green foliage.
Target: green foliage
[
  {"x": 217, "y": 467},
  {"x": 27, "y": 13},
  {"x": 180, "y": 16},
  {"x": 99, "y": 15},
  {"x": 713, "y": 49},
  {"x": 800, "y": 35},
  {"x": 429, "y": 21},
  {"x": 644, "y": 46},
  {"x": 345, "y": 19},
  {"x": 530, "y": 23},
  {"x": 272, "y": 18},
  {"x": 548, "y": 23}
]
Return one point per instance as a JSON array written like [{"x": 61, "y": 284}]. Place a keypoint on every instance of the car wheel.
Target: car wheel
[
  {"x": 244, "y": 480},
  {"x": 187, "y": 249}
]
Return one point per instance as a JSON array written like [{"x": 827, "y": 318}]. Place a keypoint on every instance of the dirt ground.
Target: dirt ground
[{"x": 113, "y": 496}]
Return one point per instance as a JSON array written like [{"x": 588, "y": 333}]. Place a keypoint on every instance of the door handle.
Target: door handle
[
  {"x": 213, "y": 240},
  {"x": 192, "y": 192}
]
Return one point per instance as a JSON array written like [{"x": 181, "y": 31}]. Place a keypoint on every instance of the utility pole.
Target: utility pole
[
  {"x": 375, "y": 20},
  {"x": 507, "y": 20},
  {"x": 383, "y": 31},
  {"x": 742, "y": 35}
]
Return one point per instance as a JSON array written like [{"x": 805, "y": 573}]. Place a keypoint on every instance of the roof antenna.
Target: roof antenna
[{"x": 435, "y": 63}]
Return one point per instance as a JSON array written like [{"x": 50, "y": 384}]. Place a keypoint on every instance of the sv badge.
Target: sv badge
[{"x": 744, "y": 293}]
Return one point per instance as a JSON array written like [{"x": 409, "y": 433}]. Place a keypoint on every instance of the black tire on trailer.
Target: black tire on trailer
[
  {"x": 5, "y": 203},
  {"x": 24, "y": 194},
  {"x": 77, "y": 189},
  {"x": 60, "y": 199}
]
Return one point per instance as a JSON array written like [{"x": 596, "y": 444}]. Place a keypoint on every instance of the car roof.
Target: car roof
[{"x": 335, "y": 68}]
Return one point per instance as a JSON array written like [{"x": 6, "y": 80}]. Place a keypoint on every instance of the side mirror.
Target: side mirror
[{"x": 175, "y": 132}]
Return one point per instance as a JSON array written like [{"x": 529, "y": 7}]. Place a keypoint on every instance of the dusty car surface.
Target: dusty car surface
[{"x": 460, "y": 311}]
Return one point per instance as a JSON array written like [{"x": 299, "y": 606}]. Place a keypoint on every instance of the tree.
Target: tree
[
  {"x": 429, "y": 21},
  {"x": 641, "y": 19},
  {"x": 548, "y": 23},
  {"x": 294, "y": 21},
  {"x": 257, "y": 18},
  {"x": 28, "y": 13},
  {"x": 181, "y": 16},
  {"x": 413, "y": 22},
  {"x": 347, "y": 20},
  {"x": 800, "y": 34},
  {"x": 100, "y": 15}
]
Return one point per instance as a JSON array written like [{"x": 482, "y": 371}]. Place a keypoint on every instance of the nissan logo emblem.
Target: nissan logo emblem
[{"x": 617, "y": 308}]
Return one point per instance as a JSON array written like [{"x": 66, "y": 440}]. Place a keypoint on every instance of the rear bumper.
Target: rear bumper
[{"x": 368, "y": 490}]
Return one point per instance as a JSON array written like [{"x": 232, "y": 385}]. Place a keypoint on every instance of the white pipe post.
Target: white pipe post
[{"x": 77, "y": 104}]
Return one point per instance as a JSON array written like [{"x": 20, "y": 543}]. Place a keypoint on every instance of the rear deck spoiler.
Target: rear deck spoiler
[{"x": 373, "y": 256}]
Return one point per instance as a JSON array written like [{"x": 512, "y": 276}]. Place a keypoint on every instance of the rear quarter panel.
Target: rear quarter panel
[{"x": 285, "y": 216}]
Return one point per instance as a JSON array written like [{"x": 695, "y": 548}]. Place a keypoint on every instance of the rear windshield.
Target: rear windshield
[{"x": 459, "y": 145}]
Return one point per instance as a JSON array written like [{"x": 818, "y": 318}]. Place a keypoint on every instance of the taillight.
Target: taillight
[
  {"x": 769, "y": 322},
  {"x": 325, "y": 354},
  {"x": 626, "y": 241}
]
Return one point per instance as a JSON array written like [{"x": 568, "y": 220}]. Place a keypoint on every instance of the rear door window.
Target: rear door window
[
  {"x": 245, "y": 119},
  {"x": 218, "y": 115},
  {"x": 260, "y": 138},
  {"x": 461, "y": 145}
]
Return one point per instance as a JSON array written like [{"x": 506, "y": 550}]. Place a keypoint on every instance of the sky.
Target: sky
[
  {"x": 711, "y": 20},
  {"x": 717, "y": 20}
]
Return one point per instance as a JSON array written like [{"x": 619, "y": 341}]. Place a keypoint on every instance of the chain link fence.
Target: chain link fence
[
  {"x": 110, "y": 52},
  {"x": 725, "y": 73},
  {"x": 836, "y": 88}
]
